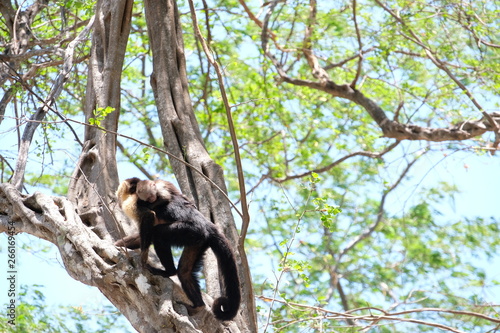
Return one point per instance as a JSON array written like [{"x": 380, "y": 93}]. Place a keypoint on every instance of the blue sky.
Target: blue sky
[{"x": 474, "y": 175}]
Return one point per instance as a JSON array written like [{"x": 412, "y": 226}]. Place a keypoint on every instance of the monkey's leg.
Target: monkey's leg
[{"x": 189, "y": 265}]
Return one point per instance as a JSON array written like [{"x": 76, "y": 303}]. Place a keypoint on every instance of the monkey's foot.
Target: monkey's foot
[
  {"x": 161, "y": 272},
  {"x": 194, "y": 310}
]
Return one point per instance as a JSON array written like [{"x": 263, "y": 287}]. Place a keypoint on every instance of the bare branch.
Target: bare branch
[
  {"x": 40, "y": 113},
  {"x": 380, "y": 214},
  {"x": 337, "y": 162},
  {"x": 265, "y": 25},
  {"x": 441, "y": 65},
  {"x": 133, "y": 160},
  {"x": 259, "y": 23},
  {"x": 392, "y": 129},
  {"x": 360, "y": 44},
  {"x": 343, "y": 299},
  {"x": 385, "y": 315},
  {"x": 343, "y": 62},
  {"x": 6, "y": 98},
  {"x": 317, "y": 71}
]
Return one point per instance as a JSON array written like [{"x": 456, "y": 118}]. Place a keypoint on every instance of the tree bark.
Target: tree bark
[
  {"x": 144, "y": 299},
  {"x": 183, "y": 139},
  {"x": 393, "y": 129},
  {"x": 95, "y": 177}
]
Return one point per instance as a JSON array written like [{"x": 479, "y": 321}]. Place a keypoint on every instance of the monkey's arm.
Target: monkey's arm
[
  {"x": 163, "y": 248},
  {"x": 148, "y": 230},
  {"x": 131, "y": 242},
  {"x": 146, "y": 224}
]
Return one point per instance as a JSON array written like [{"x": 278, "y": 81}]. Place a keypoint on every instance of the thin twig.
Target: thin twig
[
  {"x": 241, "y": 179},
  {"x": 192, "y": 167},
  {"x": 40, "y": 113},
  {"x": 340, "y": 160},
  {"x": 360, "y": 43},
  {"x": 130, "y": 157},
  {"x": 334, "y": 315},
  {"x": 285, "y": 258},
  {"x": 261, "y": 25}
]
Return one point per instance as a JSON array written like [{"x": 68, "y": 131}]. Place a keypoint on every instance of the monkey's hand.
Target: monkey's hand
[
  {"x": 144, "y": 257},
  {"x": 131, "y": 242}
]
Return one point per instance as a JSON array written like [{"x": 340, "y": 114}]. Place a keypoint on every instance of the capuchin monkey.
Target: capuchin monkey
[{"x": 168, "y": 218}]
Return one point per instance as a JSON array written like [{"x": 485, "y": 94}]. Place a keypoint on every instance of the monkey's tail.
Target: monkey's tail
[{"x": 226, "y": 307}]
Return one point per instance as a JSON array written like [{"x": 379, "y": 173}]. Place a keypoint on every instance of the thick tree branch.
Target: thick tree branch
[
  {"x": 360, "y": 44},
  {"x": 95, "y": 177},
  {"x": 97, "y": 262},
  {"x": 337, "y": 162},
  {"x": 158, "y": 150},
  {"x": 392, "y": 129},
  {"x": 239, "y": 168},
  {"x": 183, "y": 139},
  {"x": 442, "y": 65}
]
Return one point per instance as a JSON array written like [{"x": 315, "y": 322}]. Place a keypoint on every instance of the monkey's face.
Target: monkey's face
[
  {"x": 147, "y": 191},
  {"x": 126, "y": 189}
]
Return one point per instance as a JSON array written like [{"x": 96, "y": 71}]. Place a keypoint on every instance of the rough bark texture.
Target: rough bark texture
[
  {"x": 393, "y": 129},
  {"x": 182, "y": 138},
  {"x": 144, "y": 299},
  {"x": 148, "y": 302},
  {"x": 96, "y": 175}
]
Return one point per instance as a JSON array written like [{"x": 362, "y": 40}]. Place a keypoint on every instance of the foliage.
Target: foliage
[
  {"x": 33, "y": 315},
  {"x": 336, "y": 210}
]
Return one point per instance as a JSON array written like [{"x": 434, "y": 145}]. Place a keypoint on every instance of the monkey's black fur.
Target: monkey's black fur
[{"x": 184, "y": 226}]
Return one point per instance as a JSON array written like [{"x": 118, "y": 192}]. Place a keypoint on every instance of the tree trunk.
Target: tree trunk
[
  {"x": 95, "y": 177},
  {"x": 182, "y": 138}
]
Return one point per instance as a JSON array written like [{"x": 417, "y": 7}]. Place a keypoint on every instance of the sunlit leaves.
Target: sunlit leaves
[
  {"x": 328, "y": 212},
  {"x": 331, "y": 225},
  {"x": 99, "y": 115}
]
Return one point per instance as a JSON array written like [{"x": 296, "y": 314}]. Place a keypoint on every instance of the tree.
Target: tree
[
  {"x": 328, "y": 112},
  {"x": 90, "y": 192}
]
